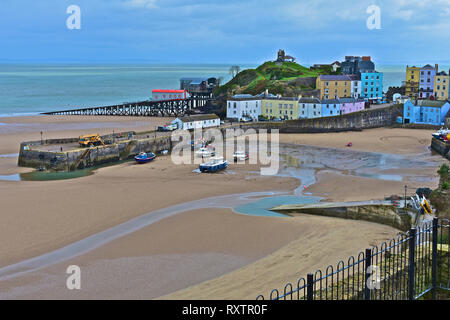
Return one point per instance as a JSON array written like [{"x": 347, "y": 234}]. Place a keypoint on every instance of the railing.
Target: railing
[{"x": 406, "y": 268}]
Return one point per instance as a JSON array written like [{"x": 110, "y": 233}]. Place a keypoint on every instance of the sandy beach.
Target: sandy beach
[{"x": 209, "y": 253}]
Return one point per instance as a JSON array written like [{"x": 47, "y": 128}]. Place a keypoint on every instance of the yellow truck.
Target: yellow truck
[{"x": 90, "y": 140}]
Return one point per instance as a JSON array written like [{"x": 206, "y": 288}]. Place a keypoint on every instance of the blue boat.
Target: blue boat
[
  {"x": 144, "y": 157},
  {"x": 216, "y": 164}
]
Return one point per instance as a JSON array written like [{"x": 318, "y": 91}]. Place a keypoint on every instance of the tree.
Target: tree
[{"x": 234, "y": 70}]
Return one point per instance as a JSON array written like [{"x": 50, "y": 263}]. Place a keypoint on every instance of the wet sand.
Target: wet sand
[
  {"x": 191, "y": 247},
  {"x": 201, "y": 245},
  {"x": 384, "y": 140}
]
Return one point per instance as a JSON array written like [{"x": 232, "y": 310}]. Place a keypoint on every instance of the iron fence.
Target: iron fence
[{"x": 405, "y": 268}]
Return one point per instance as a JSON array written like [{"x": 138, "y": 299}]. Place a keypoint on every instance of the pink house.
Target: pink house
[{"x": 349, "y": 105}]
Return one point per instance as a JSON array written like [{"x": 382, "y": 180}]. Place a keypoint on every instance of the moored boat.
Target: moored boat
[
  {"x": 205, "y": 152},
  {"x": 240, "y": 156},
  {"x": 144, "y": 157},
  {"x": 216, "y": 164}
]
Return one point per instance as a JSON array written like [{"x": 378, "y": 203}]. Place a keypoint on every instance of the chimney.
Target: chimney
[{"x": 436, "y": 66}]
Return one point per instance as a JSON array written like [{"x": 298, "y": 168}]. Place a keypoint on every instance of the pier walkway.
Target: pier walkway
[{"x": 148, "y": 108}]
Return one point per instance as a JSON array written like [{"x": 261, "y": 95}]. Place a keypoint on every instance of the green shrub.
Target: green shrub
[
  {"x": 445, "y": 185},
  {"x": 443, "y": 170}
]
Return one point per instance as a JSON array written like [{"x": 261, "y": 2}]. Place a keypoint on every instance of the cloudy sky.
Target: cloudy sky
[{"x": 225, "y": 31}]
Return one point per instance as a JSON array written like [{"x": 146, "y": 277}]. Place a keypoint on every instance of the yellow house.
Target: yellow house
[
  {"x": 412, "y": 81},
  {"x": 334, "y": 87},
  {"x": 441, "y": 86},
  {"x": 280, "y": 107}
]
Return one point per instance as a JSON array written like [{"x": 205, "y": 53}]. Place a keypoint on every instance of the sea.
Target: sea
[{"x": 29, "y": 89}]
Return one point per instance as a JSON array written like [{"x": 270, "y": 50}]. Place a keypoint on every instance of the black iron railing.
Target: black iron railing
[{"x": 406, "y": 268}]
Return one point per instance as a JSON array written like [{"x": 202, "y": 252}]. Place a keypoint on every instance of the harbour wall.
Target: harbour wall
[
  {"x": 383, "y": 214},
  {"x": 441, "y": 147},
  {"x": 31, "y": 156}
]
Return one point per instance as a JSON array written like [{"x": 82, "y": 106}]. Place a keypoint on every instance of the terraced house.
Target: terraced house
[
  {"x": 441, "y": 86},
  {"x": 426, "y": 81},
  {"x": 284, "y": 108},
  {"x": 412, "y": 81},
  {"x": 372, "y": 86},
  {"x": 426, "y": 112},
  {"x": 331, "y": 108},
  {"x": 334, "y": 86},
  {"x": 244, "y": 106},
  {"x": 350, "y": 105},
  {"x": 309, "y": 108}
]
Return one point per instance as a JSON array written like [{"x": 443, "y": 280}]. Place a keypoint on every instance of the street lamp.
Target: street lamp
[{"x": 406, "y": 190}]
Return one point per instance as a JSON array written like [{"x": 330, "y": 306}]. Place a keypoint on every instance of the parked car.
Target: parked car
[
  {"x": 246, "y": 119},
  {"x": 168, "y": 127},
  {"x": 276, "y": 119}
]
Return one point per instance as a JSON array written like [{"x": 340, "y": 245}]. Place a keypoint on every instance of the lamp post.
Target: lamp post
[{"x": 406, "y": 189}]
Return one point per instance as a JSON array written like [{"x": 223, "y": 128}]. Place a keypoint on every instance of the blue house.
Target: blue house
[
  {"x": 431, "y": 112},
  {"x": 372, "y": 86},
  {"x": 331, "y": 108}
]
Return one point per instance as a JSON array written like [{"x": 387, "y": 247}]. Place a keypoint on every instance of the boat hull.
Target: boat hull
[
  {"x": 213, "y": 168},
  {"x": 141, "y": 160}
]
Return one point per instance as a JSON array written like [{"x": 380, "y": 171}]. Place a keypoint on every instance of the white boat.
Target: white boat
[
  {"x": 441, "y": 134},
  {"x": 205, "y": 152},
  {"x": 214, "y": 165},
  {"x": 240, "y": 156}
]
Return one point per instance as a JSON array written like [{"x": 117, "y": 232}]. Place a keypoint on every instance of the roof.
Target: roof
[
  {"x": 354, "y": 77},
  {"x": 194, "y": 79},
  {"x": 335, "y": 77},
  {"x": 243, "y": 97},
  {"x": 199, "y": 117},
  {"x": 331, "y": 101},
  {"x": 431, "y": 103},
  {"x": 427, "y": 67},
  {"x": 281, "y": 98},
  {"x": 350, "y": 100},
  {"x": 168, "y": 91},
  {"x": 240, "y": 96},
  {"x": 309, "y": 100}
]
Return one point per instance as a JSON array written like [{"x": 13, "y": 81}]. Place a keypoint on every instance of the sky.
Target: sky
[{"x": 225, "y": 31}]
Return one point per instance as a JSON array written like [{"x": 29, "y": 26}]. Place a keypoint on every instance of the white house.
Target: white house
[
  {"x": 199, "y": 121},
  {"x": 244, "y": 105},
  {"x": 355, "y": 86},
  {"x": 309, "y": 108}
]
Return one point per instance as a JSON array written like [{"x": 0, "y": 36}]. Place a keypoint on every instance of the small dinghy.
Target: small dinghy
[
  {"x": 205, "y": 152},
  {"x": 216, "y": 164},
  {"x": 240, "y": 156},
  {"x": 144, "y": 157}
]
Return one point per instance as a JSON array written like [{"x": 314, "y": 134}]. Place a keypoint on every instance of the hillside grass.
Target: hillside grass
[{"x": 277, "y": 78}]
